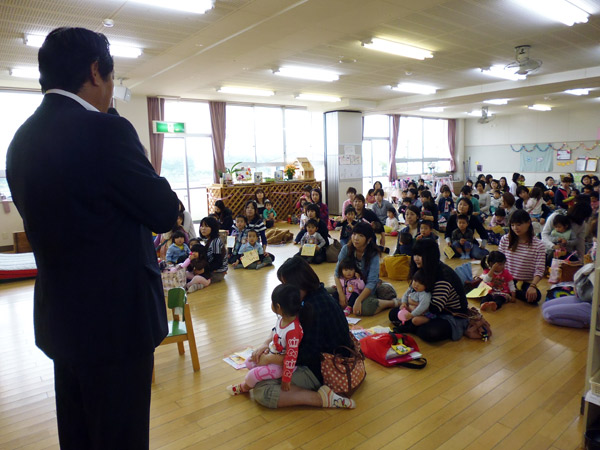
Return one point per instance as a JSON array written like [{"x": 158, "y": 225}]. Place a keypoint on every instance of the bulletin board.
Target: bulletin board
[{"x": 350, "y": 162}]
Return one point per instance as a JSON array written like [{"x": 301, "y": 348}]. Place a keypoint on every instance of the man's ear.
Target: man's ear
[{"x": 95, "y": 76}]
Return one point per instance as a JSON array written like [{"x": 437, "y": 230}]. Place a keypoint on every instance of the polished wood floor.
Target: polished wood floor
[{"x": 522, "y": 389}]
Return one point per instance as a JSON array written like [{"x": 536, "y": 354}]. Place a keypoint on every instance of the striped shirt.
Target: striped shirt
[
  {"x": 444, "y": 296},
  {"x": 257, "y": 224},
  {"x": 527, "y": 262}
]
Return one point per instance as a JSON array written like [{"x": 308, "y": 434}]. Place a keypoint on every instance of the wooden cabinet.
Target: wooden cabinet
[{"x": 283, "y": 195}]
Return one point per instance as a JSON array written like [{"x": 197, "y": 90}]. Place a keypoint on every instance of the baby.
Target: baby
[
  {"x": 416, "y": 300},
  {"x": 560, "y": 235}
]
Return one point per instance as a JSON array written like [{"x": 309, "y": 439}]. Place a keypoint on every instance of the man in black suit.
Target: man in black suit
[{"x": 89, "y": 197}]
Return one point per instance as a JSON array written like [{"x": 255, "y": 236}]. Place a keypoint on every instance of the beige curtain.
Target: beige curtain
[
  {"x": 156, "y": 111},
  {"x": 217, "y": 121}
]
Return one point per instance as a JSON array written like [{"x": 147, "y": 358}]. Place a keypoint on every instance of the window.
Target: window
[
  {"x": 422, "y": 147},
  {"x": 16, "y": 108}
]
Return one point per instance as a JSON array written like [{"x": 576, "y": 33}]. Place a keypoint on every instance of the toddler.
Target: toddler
[
  {"x": 284, "y": 340},
  {"x": 495, "y": 200},
  {"x": 350, "y": 193},
  {"x": 405, "y": 244},
  {"x": 370, "y": 198},
  {"x": 416, "y": 300},
  {"x": 462, "y": 237},
  {"x": 391, "y": 223},
  {"x": 499, "y": 218},
  {"x": 313, "y": 237},
  {"x": 499, "y": 279},
  {"x": 560, "y": 235},
  {"x": 178, "y": 251},
  {"x": 534, "y": 203},
  {"x": 199, "y": 275},
  {"x": 252, "y": 244},
  {"x": 348, "y": 225},
  {"x": 426, "y": 231},
  {"x": 406, "y": 202},
  {"x": 240, "y": 231},
  {"x": 269, "y": 214},
  {"x": 352, "y": 284},
  {"x": 445, "y": 203}
]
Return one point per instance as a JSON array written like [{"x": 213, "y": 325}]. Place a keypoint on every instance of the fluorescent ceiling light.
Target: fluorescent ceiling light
[
  {"x": 396, "y": 48},
  {"x": 499, "y": 71},
  {"x": 497, "y": 101},
  {"x": 192, "y": 6},
  {"x": 245, "y": 91},
  {"x": 477, "y": 113},
  {"x": 25, "y": 72},
  {"x": 125, "y": 51},
  {"x": 433, "y": 109},
  {"x": 318, "y": 98},
  {"x": 558, "y": 10},
  {"x": 577, "y": 91},
  {"x": 541, "y": 107},
  {"x": 415, "y": 88},
  {"x": 307, "y": 73},
  {"x": 34, "y": 40}
]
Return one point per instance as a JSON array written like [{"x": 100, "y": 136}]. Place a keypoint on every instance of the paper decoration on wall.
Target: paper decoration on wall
[
  {"x": 586, "y": 165},
  {"x": 536, "y": 161},
  {"x": 556, "y": 148},
  {"x": 563, "y": 155},
  {"x": 565, "y": 163}
]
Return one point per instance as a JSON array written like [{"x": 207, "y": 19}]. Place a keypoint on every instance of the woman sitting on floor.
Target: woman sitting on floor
[{"x": 448, "y": 296}]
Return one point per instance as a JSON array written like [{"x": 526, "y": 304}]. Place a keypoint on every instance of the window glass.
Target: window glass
[
  {"x": 415, "y": 167},
  {"x": 173, "y": 162},
  {"x": 435, "y": 139},
  {"x": 297, "y": 143},
  {"x": 239, "y": 141},
  {"x": 269, "y": 134},
  {"x": 200, "y": 161},
  {"x": 411, "y": 137},
  {"x": 196, "y": 115},
  {"x": 367, "y": 155},
  {"x": 16, "y": 108},
  {"x": 376, "y": 126},
  {"x": 381, "y": 157}
]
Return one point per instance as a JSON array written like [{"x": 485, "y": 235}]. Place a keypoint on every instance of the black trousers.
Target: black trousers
[{"x": 104, "y": 406}]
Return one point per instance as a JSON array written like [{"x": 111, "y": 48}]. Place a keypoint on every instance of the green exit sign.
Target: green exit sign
[{"x": 168, "y": 127}]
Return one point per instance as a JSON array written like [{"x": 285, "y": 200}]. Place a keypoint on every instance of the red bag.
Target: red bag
[{"x": 376, "y": 347}]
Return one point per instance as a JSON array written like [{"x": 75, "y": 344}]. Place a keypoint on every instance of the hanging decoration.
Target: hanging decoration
[
  {"x": 564, "y": 146},
  {"x": 565, "y": 163}
]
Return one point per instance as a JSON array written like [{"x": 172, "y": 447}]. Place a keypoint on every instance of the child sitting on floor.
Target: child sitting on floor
[
  {"x": 284, "y": 340},
  {"x": 391, "y": 223},
  {"x": 178, "y": 251},
  {"x": 499, "y": 279},
  {"x": 462, "y": 237},
  {"x": 252, "y": 244},
  {"x": 417, "y": 300},
  {"x": 405, "y": 244},
  {"x": 199, "y": 275},
  {"x": 269, "y": 214},
  {"x": 352, "y": 284},
  {"x": 348, "y": 225},
  {"x": 560, "y": 235},
  {"x": 240, "y": 231},
  {"x": 312, "y": 237}
]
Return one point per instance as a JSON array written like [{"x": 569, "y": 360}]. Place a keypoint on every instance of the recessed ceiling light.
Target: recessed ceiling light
[
  {"x": 477, "y": 113},
  {"x": 318, "y": 98},
  {"x": 25, "y": 72},
  {"x": 108, "y": 23},
  {"x": 245, "y": 91},
  {"x": 415, "y": 88},
  {"x": 125, "y": 51},
  {"x": 307, "y": 73},
  {"x": 396, "y": 48},
  {"x": 497, "y": 101},
  {"x": 577, "y": 91},
  {"x": 34, "y": 40},
  {"x": 192, "y": 6},
  {"x": 539, "y": 107},
  {"x": 433, "y": 109},
  {"x": 499, "y": 71},
  {"x": 558, "y": 10}
]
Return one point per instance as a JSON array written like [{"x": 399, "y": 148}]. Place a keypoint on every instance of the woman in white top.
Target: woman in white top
[
  {"x": 484, "y": 198},
  {"x": 515, "y": 183},
  {"x": 188, "y": 225}
]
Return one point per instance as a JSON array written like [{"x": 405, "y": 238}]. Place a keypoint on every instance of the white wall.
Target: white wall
[
  {"x": 136, "y": 111},
  {"x": 490, "y": 144}
]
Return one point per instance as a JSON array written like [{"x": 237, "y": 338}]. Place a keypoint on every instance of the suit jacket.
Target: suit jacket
[{"x": 89, "y": 197}]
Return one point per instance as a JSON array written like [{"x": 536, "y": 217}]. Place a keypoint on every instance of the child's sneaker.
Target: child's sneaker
[
  {"x": 489, "y": 306},
  {"x": 331, "y": 400},
  {"x": 347, "y": 310}
]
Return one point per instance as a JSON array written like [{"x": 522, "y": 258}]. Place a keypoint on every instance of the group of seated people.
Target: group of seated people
[{"x": 529, "y": 233}]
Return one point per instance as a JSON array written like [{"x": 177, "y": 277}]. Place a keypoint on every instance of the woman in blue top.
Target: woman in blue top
[{"x": 376, "y": 295}]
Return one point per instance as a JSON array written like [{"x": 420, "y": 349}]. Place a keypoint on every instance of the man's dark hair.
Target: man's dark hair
[{"x": 66, "y": 56}]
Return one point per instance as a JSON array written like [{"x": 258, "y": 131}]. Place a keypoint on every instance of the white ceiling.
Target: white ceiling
[{"x": 239, "y": 42}]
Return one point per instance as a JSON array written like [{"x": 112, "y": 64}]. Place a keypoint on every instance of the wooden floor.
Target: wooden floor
[{"x": 520, "y": 390}]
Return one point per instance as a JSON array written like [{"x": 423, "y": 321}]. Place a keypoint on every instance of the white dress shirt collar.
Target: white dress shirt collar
[{"x": 75, "y": 97}]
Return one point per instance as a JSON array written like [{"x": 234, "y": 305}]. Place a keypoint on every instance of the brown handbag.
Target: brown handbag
[{"x": 344, "y": 374}]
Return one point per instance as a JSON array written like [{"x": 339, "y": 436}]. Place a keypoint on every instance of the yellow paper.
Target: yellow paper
[
  {"x": 498, "y": 230},
  {"x": 480, "y": 291},
  {"x": 249, "y": 257},
  {"x": 449, "y": 252},
  {"x": 309, "y": 249}
]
